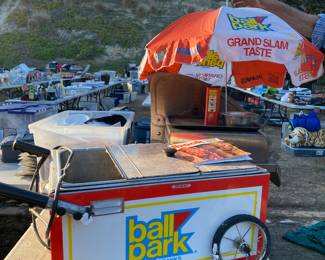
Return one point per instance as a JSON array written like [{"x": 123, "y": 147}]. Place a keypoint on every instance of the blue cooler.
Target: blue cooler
[{"x": 141, "y": 131}]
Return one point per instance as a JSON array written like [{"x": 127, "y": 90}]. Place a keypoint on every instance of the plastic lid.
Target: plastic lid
[
  {"x": 8, "y": 140},
  {"x": 76, "y": 119}
]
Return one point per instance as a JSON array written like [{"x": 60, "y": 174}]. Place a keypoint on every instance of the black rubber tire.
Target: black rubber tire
[{"x": 227, "y": 224}]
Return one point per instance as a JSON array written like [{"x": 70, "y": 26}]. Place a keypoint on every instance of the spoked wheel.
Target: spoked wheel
[{"x": 242, "y": 237}]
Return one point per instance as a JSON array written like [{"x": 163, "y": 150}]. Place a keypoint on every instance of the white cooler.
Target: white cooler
[{"x": 68, "y": 128}]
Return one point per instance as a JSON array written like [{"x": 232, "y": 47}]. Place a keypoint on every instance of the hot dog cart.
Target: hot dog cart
[
  {"x": 132, "y": 202},
  {"x": 146, "y": 205}
]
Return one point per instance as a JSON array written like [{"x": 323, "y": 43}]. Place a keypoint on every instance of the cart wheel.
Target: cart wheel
[{"x": 242, "y": 236}]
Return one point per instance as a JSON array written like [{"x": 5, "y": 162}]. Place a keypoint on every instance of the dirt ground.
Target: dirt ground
[{"x": 299, "y": 201}]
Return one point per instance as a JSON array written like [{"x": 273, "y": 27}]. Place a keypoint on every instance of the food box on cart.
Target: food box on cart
[
  {"x": 146, "y": 205},
  {"x": 299, "y": 151},
  {"x": 69, "y": 128}
]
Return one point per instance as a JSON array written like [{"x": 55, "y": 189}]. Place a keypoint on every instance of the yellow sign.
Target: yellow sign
[
  {"x": 249, "y": 23},
  {"x": 212, "y": 60},
  {"x": 159, "y": 237}
]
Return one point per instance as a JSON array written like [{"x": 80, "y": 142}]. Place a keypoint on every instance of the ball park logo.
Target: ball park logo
[
  {"x": 159, "y": 238},
  {"x": 212, "y": 60},
  {"x": 249, "y": 23}
]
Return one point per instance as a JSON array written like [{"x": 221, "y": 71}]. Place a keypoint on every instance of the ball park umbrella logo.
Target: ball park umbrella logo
[
  {"x": 249, "y": 23},
  {"x": 212, "y": 60},
  {"x": 159, "y": 238}
]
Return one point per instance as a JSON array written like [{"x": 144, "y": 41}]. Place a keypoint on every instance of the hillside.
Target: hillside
[{"x": 104, "y": 33}]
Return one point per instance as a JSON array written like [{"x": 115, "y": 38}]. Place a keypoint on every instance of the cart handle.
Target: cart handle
[
  {"x": 24, "y": 196},
  {"x": 42, "y": 201},
  {"x": 31, "y": 149}
]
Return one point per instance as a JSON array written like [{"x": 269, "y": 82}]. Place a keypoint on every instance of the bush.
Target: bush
[
  {"x": 41, "y": 24},
  {"x": 121, "y": 31},
  {"x": 18, "y": 17},
  {"x": 9, "y": 55},
  {"x": 22, "y": 47},
  {"x": 87, "y": 49}
]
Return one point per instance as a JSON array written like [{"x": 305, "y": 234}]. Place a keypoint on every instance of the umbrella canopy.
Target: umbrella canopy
[{"x": 259, "y": 47}]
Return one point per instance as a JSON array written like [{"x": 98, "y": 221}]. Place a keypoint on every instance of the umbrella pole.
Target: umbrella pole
[
  {"x": 226, "y": 99},
  {"x": 226, "y": 89}
]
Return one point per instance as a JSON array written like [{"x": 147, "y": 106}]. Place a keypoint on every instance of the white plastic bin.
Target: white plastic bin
[{"x": 68, "y": 128}]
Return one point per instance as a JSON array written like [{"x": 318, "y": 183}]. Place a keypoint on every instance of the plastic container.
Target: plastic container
[
  {"x": 136, "y": 86},
  {"x": 107, "y": 76},
  {"x": 134, "y": 74},
  {"x": 88, "y": 105},
  {"x": 109, "y": 102},
  {"x": 303, "y": 152},
  {"x": 8, "y": 154},
  {"x": 240, "y": 118},
  {"x": 122, "y": 96},
  {"x": 68, "y": 128},
  {"x": 142, "y": 131},
  {"x": 126, "y": 98},
  {"x": 20, "y": 117}
]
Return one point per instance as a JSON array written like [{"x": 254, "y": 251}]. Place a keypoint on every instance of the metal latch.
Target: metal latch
[{"x": 107, "y": 207}]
